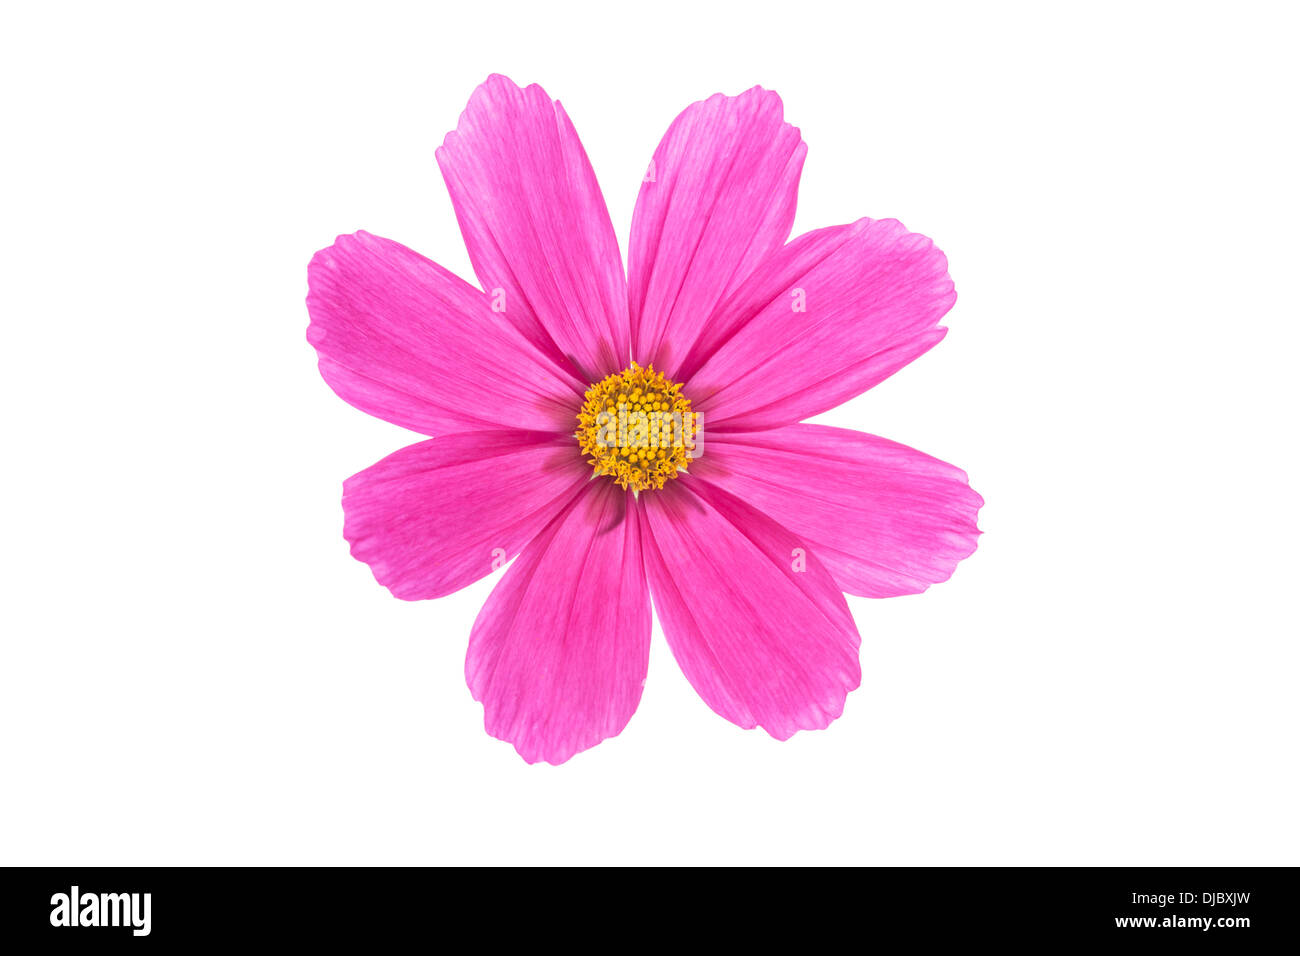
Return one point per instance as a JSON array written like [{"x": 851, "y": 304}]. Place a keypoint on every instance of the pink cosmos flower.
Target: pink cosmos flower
[{"x": 748, "y": 539}]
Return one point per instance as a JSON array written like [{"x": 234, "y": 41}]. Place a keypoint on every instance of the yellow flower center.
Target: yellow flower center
[{"x": 637, "y": 428}]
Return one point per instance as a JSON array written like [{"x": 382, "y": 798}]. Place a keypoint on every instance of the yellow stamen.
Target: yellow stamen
[{"x": 637, "y": 427}]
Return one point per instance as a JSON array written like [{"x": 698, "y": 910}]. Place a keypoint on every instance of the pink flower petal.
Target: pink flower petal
[
  {"x": 873, "y": 294},
  {"x": 718, "y": 200},
  {"x": 773, "y": 279},
  {"x": 764, "y": 644},
  {"x": 437, "y": 516},
  {"x": 402, "y": 338},
  {"x": 558, "y": 654},
  {"x": 536, "y": 226},
  {"x": 883, "y": 518}
]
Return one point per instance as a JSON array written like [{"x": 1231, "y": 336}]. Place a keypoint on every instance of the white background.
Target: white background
[{"x": 196, "y": 671}]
